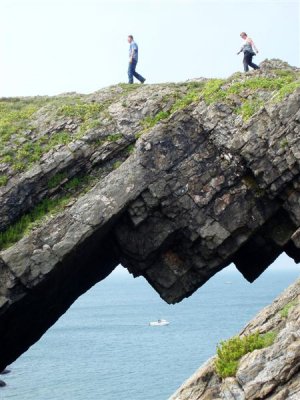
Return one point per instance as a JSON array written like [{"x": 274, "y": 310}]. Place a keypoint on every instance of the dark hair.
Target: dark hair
[
  {"x": 243, "y": 34},
  {"x": 130, "y": 36}
]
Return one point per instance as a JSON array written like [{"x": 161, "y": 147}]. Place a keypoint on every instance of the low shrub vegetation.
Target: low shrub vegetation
[
  {"x": 184, "y": 101},
  {"x": 3, "y": 180},
  {"x": 21, "y": 146},
  {"x": 286, "y": 309},
  {"x": 249, "y": 108},
  {"x": 20, "y": 228},
  {"x": 213, "y": 92},
  {"x": 114, "y": 137},
  {"x": 47, "y": 207},
  {"x": 81, "y": 110},
  {"x": 230, "y": 352},
  {"x": 149, "y": 122},
  {"x": 286, "y": 90},
  {"x": 117, "y": 164},
  {"x": 56, "y": 180}
]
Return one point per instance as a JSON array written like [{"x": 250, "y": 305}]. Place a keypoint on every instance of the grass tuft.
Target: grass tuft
[
  {"x": 114, "y": 137},
  {"x": 3, "y": 180},
  {"x": 285, "y": 311},
  {"x": 56, "y": 180},
  {"x": 27, "y": 222},
  {"x": 286, "y": 90},
  {"x": 230, "y": 352},
  {"x": 130, "y": 149},
  {"x": 81, "y": 110},
  {"x": 184, "y": 101},
  {"x": 17, "y": 230},
  {"x": 249, "y": 108},
  {"x": 213, "y": 92},
  {"x": 117, "y": 164},
  {"x": 149, "y": 122}
]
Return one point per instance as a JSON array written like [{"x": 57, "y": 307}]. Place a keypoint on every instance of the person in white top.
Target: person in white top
[{"x": 247, "y": 49}]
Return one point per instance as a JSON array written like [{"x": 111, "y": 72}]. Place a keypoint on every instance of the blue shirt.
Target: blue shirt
[{"x": 133, "y": 49}]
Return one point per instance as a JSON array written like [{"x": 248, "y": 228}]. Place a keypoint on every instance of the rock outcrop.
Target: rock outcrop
[
  {"x": 173, "y": 181},
  {"x": 269, "y": 373}
]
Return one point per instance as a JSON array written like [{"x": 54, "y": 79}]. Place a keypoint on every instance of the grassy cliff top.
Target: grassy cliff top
[{"x": 31, "y": 127}]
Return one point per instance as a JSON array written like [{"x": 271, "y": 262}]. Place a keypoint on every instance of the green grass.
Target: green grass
[
  {"x": 249, "y": 108},
  {"x": 20, "y": 147},
  {"x": 257, "y": 83},
  {"x": 89, "y": 125},
  {"x": 23, "y": 226},
  {"x": 114, "y": 137},
  {"x": 217, "y": 90},
  {"x": 58, "y": 138},
  {"x": 213, "y": 92},
  {"x": 81, "y": 110},
  {"x": 117, "y": 164},
  {"x": 284, "y": 143},
  {"x": 130, "y": 149},
  {"x": 56, "y": 180},
  {"x": 3, "y": 180},
  {"x": 149, "y": 122},
  {"x": 31, "y": 152},
  {"x": 184, "y": 101},
  {"x": 140, "y": 133},
  {"x": 26, "y": 155},
  {"x": 285, "y": 311},
  {"x": 286, "y": 90},
  {"x": 229, "y": 352},
  {"x": 15, "y": 116},
  {"x": 128, "y": 88},
  {"x": 19, "y": 150},
  {"x": 71, "y": 189},
  {"x": 73, "y": 183},
  {"x": 79, "y": 183},
  {"x": 195, "y": 85},
  {"x": 181, "y": 102}
]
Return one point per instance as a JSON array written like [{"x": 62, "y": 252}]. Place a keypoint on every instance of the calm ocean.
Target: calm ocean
[{"x": 104, "y": 349}]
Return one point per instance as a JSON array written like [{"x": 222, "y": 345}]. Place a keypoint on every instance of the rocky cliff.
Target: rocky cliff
[
  {"x": 173, "y": 181},
  {"x": 271, "y": 373}
]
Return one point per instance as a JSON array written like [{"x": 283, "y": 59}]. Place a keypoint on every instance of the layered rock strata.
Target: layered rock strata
[
  {"x": 271, "y": 373},
  {"x": 184, "y": 186}
]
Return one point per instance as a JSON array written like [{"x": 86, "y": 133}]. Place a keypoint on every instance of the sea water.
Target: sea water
[{"x": 104, "y": 349}]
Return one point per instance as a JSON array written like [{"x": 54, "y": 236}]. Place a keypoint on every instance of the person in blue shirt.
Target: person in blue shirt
[{"x": 133, "y": 59}]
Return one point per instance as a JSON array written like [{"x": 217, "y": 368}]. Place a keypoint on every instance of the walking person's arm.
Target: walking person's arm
[
  {"x": 132, "y": 53},
  {"x": 253, "y": 45},
  {"x": 241, "y": 49}
]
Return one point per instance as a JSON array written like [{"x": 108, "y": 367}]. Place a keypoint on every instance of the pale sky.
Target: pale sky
[
  {"x": 49, "y": 47},
  {"x": 282, "y": 263}
]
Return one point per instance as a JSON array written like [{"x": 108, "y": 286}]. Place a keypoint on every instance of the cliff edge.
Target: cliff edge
[
  {"x": 271, "y": 373},
  {"x": 173, "y": 181}
]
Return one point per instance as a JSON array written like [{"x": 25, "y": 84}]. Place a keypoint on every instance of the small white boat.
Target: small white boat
[{"x": 159, "y": 322}]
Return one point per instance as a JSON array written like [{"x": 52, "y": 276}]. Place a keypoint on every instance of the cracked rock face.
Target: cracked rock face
[
  {"x": 174, "y": 199},
  {"x": 270, "y": 373}
]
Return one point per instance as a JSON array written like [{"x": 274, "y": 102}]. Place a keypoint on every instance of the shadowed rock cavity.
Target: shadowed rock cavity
[{"x": 35, "y": 307}]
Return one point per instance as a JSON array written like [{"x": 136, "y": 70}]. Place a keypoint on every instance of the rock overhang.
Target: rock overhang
[{"x": 202, "y": 189}]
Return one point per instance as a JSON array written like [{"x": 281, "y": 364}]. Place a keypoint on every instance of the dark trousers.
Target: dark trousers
[
  {"x": 247, "y": 61},
  {"x": 132, "y": 73}
]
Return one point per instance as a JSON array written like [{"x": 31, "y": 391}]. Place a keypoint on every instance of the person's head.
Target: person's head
[
  {"x": 130, "y": 38},
  {"x": 243, "y": 35}
]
